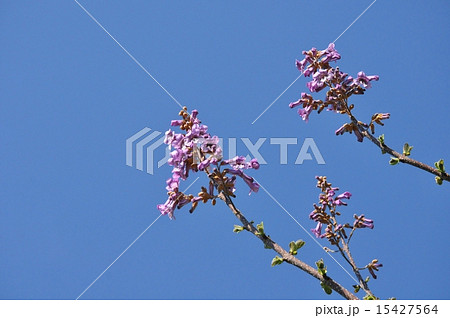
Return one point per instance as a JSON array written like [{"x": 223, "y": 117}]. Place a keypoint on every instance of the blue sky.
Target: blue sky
[{"x": 70, "y": 97}]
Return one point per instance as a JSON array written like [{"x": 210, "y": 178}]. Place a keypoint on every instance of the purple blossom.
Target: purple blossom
[
  {"x": 305, "y": 112},
  {"x": 253, "y": 164},
  {"x": 239, "y": 162},
  {"x": 362, "y": 222},
  {"x": 364, "y": 80},
  {"x": 168, "y": 137},
  {"x": 318, "y": 230},
  {"x": 176, "y": 123},
  {"x": 305, "y": 100},
  {"x": 254, "y": 186},
  {"x": 173, "y": 184},
  {"x": 374, "y": 266},
  {"x": 330, "y": 54},
  {"x": 210, "y": 144},
  {"x": 345, "y": 195},
  {"x": 339, "y": 202},
  {"x": 168, "y": 207},
  {"x": 301, "y": 65},
  {"x": 176, "y": 157},
  {"x": 319, "y": 81},
  {"x": 341, "y": 197}
]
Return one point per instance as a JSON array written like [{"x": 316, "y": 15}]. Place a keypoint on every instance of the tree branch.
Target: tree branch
[
  {"x": 287, "y": 257},
  {"x": 402, "y": 158}
]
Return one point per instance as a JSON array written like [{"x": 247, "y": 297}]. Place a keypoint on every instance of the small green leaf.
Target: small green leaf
[
  {"x": 277, "y": 261},
  {"x": 321, "y": 268},
  {"x": 292, "y": 249},
  {"x": 369, "y": 297},
  {"x": 440, "y": 165},
  {"x": 367, "y": 279},
  {"x": 407, "y": 149},
  {"x": 326, "y": 288},
  {"x": 260, "y": 228},
  {"x": 294, "y": 246},
  {"x": 238, "y": 228},
  {"x": 300, "y": 244},
  {"x": 357, "y": 288},
  {"x": 394, "y": 161},
  {"x": 438, "y": 180}
]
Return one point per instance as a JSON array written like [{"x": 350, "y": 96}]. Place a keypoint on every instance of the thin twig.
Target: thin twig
[
  {"x": 287, "y": 257},
  {"x": 402, "y": 158},
  {"x": 362, "y": 282}
]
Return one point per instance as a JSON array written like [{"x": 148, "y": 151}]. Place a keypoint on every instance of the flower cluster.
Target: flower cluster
[
  {"x": 325, "y": 214},
  {"x": 340, "y": 87},
  {"x": 196, "y": 150}
]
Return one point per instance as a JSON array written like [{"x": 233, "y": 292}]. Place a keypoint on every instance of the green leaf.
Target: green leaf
[
  {"x": 300, "y": 244},
  {"x": 326, "y": 288},
  {"x": 238, "y": 228},
  {"x": 357, "y": 288},
  {"x": 292, "y": 249},
  {"x": 367, "y": 279},
  {"x": 438, "y": 180},
  {"x": 381, "y": 140},
  {"x": 369, "y": 297},
  {"x": 440, "y": 165},
  {"x": 321, "y": 268},
  {"x": 394, "y": 161},
  {"x": 407, "y": 149},
  {"x": 260, "y": 228},
  {"x": 294, "y": 246},
  {"x": 277, "y": 261}
]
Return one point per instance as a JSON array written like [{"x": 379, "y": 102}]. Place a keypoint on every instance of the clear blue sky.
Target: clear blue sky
[{"x": 70, "y": 97}]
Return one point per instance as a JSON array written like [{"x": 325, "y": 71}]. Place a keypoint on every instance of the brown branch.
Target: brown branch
[
  {"x": 402, "y": 158},
  {"x": 287, "y": 257},
  {"x": 345, "y": 252},
  {"x": 362, "y": 282}
]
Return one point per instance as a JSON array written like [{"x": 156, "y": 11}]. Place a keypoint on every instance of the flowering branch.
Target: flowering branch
[
  {"x": 340, "y": 88},
  {"x": 196, "y": 150},
  {"x": 325, "y": 213},
  {"x": 285, "y": 255}
]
